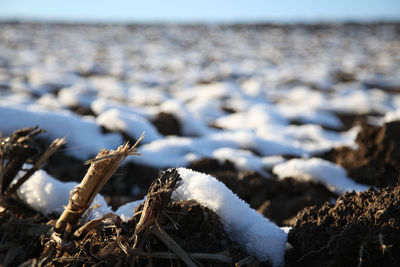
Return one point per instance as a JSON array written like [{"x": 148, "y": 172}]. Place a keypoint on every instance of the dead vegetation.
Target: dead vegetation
[{"x": 162, "y": 232}]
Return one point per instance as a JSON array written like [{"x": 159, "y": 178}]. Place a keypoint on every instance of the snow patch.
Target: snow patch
[
  {"x": 315, "y": 169},
  {"x": 84, "y": 136},
  {"x": 47, "y": 195},
  {"x": 131, "y": 124},
  {"x": 255, "y": 233}
]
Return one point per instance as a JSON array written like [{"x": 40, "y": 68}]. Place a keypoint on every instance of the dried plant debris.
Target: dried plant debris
[
  {"x": 15, "y": 151},
  {"x": 20, "y": 226},
  {"x": 18, "y": 149},
  {"x": 101, "y": 169},
  {"x": 162, "y": 233}
]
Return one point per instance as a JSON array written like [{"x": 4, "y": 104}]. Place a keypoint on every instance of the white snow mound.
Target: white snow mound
[{"x": 255, "y": 233}]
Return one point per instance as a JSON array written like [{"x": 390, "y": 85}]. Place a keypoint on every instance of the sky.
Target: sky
[{"x": 177, "y": 11}]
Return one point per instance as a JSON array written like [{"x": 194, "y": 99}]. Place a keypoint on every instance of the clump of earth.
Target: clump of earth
[
  {"x": 376, "y": 161},
  {"x": 359, "y": 230}
]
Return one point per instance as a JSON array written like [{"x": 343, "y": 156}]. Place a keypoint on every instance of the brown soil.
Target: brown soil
[
  {"x": 359, "y": 230},
  {"x": 167, "y": 124},
  {"x": 377, "y": 159}
]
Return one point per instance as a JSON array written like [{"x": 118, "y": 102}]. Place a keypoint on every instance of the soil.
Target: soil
[
  {"x": 167, "y": 124},
  {"x": 376, "y": 161},
  {"x": 359, "y": 230}
]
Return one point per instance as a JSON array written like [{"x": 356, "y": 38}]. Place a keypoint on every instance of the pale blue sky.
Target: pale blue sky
[{"x": 201, "y": 11}]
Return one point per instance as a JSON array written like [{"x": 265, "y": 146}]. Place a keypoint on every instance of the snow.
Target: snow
[
  {"x": 84, "y": 135},
  {"x": 48, "y": 195},
  {"x": 252, "y": 118},
  {"x": 234, "y": 95},
  {"x": 242, "y": 159},
  {"x": 392, "y": 116},
  {"x": 190, "y": 124},
  {"x": 77, "y": 95},
  {"x": 255, "y": 233},
  {"x": 318, "y": 170},
  {"x": 126, "y": 211},
  {"x": 360, "y": 101},
  {"x": 134, "y": 125},
  {"x": 309, "y": 115}
]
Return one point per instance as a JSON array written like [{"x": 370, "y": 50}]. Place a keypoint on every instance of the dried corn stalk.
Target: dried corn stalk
[
  {"x": 100, "y": 170},
  {"x": 15, "y": 150}
]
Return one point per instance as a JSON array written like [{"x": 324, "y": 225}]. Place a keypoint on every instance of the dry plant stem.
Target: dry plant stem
[
  {"x": 14, "y": 148},
  {"x": 100, "y": 171},
  {"x": 55, "y": 145},
  {"x": 92, "y": 224},
  {"x": 361, "y": 254},
  {"x": 171, "y": 244},
  {"x": 157, "y": 199},
  {"x": 1, "y": 164},
  {"x": 168, "y": 255}
]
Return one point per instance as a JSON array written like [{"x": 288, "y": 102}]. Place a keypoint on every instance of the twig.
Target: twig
[
  {"x": 361, "y": 254},
  {"x": 322, "y": 248},
  {"x": 92, "y": 224},
  {"x": 33, "y": 133},
  {"x": 132, "y": 151},
  {"x": 246, "y": 261},
  {"x": 384, "y": 247},
  {"x": 16, "y": 149},
  {"x": 219, "y": 257}
]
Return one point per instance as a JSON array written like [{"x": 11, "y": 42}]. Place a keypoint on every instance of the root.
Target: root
[
  {"x": 361, "y": 254},
  {"x": 385, "y": 248},
  {"x": 321, "y": 249}
]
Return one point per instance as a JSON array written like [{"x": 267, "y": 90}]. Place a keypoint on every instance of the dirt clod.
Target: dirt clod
[
  {"x": 167, "y": 124},
  {"x": 359, "y": 230},
  {"x": 377, "y": 159}
]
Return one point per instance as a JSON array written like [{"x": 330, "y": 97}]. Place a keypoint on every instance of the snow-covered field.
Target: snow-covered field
[{"x": 248, "y": 94}]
